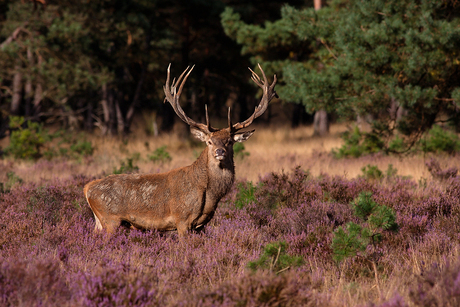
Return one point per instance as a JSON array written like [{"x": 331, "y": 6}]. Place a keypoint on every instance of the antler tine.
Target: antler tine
[
  {"x": 229, "y": 118},
  {"x": 173, "y": 95},
  {"x": 208, "y": 124},
  {"x": 185, "y": 79},
  {"x": 268, "y": 94}
]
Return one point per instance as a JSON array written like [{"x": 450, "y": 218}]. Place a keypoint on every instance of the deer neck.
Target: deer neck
[{"x": 220, "y": 174}]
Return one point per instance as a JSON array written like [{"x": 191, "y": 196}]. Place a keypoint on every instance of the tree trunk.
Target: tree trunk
[
  {"x": 130, "y": 113},
  {"x": 17, "y": 89},
  {"x": 397, "y": 112},
  {"x": 38, "y": 95},
  {"x": 119, "y": 114},
  {"x": 105, "y": 109},
  {"x": 320, "y": 123},
  {"x": 28, "y": 86},
  {"x": 317, "y": 4}
]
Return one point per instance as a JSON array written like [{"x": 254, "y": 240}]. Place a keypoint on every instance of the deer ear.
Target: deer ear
[
  {"x": 241, "y": 137},
  {"x": 200, "y": 135}
]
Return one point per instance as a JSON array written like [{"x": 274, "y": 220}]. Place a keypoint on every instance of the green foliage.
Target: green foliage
[
  {"x": 348, "y": 242},
  {"x": 245, "y": 195},
  {"x": 274, "y": 258},
  {"x": 160, "y": 155},
  {"x": 12, "y": 179},
  {"x": 126, "y": 167},
  {"x": 397, "y": 145},
  {"x": 26, "y": 142},
  {"x": 391, "y": 171},
  {"x": 239, "y": 150},
  {"x": 30, "y": 141},
  {"x": 371, "y": 55},
  {"x": 372, "y": 172},
  {"x": 358, "y": 143},
  {"x": 355, "y": 238},
  {"x": 440, "y": 140},
  {"x": 82, "y": 148}
]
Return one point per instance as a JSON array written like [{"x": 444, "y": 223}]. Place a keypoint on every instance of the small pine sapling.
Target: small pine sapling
[
  {"x": 354, "y": 240},
  {"x": 275, "y": 259}
]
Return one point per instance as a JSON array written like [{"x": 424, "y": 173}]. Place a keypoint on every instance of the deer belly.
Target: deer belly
[{"x": 151, "y": 222}]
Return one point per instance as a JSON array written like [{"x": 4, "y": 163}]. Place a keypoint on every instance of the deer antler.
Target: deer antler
[
  {"x": 173, "y": 96},
  {"x": 268, "y": 94}
]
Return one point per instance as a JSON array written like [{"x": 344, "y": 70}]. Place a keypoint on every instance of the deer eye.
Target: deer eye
[{"x": 209, "y": 142}]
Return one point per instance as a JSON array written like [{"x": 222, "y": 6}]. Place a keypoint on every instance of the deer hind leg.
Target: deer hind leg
[
  {"x": 98, "y": 225},
  {"x": 103, "y": 221}
]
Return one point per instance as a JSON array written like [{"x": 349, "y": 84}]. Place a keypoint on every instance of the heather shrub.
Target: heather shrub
[
  {"x": 160, "y": 155},
  {"x": 51, "y": 256},
  {"x": 32, "y": 283},
  {"x": 116, "y": 284},
  {"x": 437, "y": 286},
  {"x": 278, "y": 190},
  {"x": 340, "y": 190},
  {"x": 255, "y": 289},
  {"x": 441, "y": 174},
  {"x": 274, "y": 258}
]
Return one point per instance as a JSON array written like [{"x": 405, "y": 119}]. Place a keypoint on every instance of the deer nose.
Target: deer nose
[{"x": 220, "y": 153}]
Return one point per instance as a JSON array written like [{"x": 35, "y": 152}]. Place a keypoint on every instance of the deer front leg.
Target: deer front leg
[{"x": 182, "y": 229}]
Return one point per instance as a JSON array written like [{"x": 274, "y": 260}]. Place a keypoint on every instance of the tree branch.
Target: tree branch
[{"x": 12, "y": 37}]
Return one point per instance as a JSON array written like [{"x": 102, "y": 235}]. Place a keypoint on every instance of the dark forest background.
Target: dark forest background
[{"x": 90, "y": 65}]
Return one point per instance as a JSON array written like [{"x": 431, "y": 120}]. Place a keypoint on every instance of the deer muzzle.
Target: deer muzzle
[{"x": 220, "y": 154}]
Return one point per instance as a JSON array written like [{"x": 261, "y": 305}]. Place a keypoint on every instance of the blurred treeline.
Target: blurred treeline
[{"x": 87, "y": 64}]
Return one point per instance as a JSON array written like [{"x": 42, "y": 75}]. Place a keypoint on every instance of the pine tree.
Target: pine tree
[{"x": 364, "y": 57}]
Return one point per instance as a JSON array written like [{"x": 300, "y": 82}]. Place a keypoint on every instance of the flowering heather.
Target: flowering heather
[{"x": 51, "y": 256}]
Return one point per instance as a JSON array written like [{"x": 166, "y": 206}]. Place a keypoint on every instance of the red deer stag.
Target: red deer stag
[{"x": 184, "y": 198}]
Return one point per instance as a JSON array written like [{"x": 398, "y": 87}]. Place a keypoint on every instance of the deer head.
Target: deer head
[{"x": 219, "y": 141}]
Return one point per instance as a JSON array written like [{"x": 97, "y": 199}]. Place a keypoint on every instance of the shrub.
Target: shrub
[
  {"x": 355, "y": 238},
  {"x": 256, "y": 289},
  {"x": 358, "y": 143},
  {"x": 27, "y": 138},
  {"x": 440, "y": 140},
  {"x": 372, "y": 172},
  {"x": 160, "y": 155},
  {"x": 82, "y": 147},
  {"x": 274, "y": 258},
  {"x": 30, "y": 141},
  {"x": 12, "y": 179},
  {"x": 435, "y": 170},
  {"x": 239, "y": 151},
  {"x": 126, "y": 167}
]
